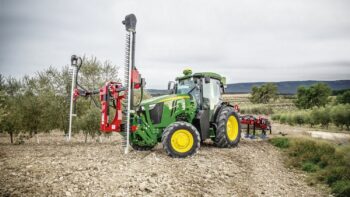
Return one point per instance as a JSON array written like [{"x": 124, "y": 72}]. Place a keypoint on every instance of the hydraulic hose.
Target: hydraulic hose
[{"x": 141, "y": 98}]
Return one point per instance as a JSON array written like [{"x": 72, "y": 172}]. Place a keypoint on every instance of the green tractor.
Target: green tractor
[{"x": 192, "y": 113}]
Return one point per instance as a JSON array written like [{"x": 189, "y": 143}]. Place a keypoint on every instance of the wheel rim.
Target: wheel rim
[
  {"x": 232, "y": 128},
  {"x": 182, "y": 140}
]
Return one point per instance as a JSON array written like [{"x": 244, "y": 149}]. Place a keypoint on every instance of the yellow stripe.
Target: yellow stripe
[{"x": 174, "y": 98}]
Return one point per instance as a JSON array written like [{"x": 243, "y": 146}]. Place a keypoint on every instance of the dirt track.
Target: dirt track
[
  {"x": 340, "y": 138},
  {"x": 60, "y": 169}
]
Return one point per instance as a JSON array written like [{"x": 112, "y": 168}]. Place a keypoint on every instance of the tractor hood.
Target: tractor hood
[{"x": 164, "y": 98}]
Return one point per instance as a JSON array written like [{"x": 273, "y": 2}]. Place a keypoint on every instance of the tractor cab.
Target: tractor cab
[{"x": 205, "y": 88}]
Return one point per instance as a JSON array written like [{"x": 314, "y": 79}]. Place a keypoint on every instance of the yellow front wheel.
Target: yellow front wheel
[{"x": 181, "y": 139}]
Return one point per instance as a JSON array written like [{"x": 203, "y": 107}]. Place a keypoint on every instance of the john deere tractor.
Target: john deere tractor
[{"x": 192, "y": 113}]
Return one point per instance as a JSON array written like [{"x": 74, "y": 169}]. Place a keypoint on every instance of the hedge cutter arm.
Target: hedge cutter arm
[{"x": 115, "y": 93}]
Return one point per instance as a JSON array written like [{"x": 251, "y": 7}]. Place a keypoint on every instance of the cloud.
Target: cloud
[{"x": 248, "y": 40}]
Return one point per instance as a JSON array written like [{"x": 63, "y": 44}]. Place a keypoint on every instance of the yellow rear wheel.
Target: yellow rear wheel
[
  {"x": 228, "y": 131},
  {"x": 232, "y": 128}
]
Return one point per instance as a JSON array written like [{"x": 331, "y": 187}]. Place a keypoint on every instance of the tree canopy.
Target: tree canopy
[
  {"x": 316, "y": 95},
  {"x": 344, "y": 98},
  {"x": 264, "y": 93},
  {"x": 40, "y": 103}
]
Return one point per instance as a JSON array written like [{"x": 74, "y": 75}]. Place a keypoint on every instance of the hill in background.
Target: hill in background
[{"x": 284, "y": 87}]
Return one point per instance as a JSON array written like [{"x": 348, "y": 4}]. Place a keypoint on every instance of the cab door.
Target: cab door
[{"x": 211, "y": 95}]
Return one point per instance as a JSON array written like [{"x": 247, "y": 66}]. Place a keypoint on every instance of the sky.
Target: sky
[{"x": 246, "y": 41}]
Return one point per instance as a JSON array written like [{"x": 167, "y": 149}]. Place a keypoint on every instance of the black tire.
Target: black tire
[
  {"x": 176, "y": 127},
  {"x": 222, "y": 139},
  {"x": 141, "y": 148}
]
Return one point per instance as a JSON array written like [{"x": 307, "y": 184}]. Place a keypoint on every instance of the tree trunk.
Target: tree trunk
[
  {"x": 11, "y": 137},
  {"x": 86, "y": 135}
]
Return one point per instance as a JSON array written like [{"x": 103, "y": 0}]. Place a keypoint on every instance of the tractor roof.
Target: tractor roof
[{"x": 203, "y": 74}]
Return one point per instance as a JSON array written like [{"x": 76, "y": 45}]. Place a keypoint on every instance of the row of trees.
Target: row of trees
[
  {"x": 315, "y": 106},
  {"x": 316, "y": 95},
  {"x": 40, "y": 103},
  {"x": 339, "y": 115}
]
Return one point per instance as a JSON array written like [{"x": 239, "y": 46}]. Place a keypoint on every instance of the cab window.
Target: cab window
[{"x": 212, "y": 93}]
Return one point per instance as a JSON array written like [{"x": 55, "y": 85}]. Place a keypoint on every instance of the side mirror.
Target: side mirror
[
  {"x": 207, "y": 79},
  {"x": 223, "y": 90},
  {"x": 171, "y": 87},
  {"x": 143, "y": 82}
]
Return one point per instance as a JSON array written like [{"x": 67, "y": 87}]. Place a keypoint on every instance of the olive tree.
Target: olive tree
[
  {"x": 314, "y": 96},
  {"x": 344, "y": 98},
  {"x": 10, "y": 113},
  {"x": 264, "y": 93}
]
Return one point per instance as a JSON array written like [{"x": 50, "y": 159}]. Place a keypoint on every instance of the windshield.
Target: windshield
[
  {"x": 184, "y": 86},
  {"x": 188, "y": 86}
]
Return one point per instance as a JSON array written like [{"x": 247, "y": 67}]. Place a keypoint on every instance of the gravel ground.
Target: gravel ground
[{"x": 57, "y": 168}]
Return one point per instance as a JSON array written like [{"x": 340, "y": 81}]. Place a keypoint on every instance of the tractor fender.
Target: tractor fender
[{"x": 218, "y": 109}]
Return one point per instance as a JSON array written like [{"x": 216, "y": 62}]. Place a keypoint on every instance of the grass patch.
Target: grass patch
[
  {"x": 280, "y": 142},
  {"x": 328, "y": 163},
  {"x": 309, "y": 167},
  {"x": 257, "y": 109},
  {"x": 341, "y": 188}
]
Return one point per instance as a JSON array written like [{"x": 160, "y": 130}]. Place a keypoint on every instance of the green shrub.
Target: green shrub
[
  {"x": 341, "y": 188},
  {"x": 315, "y": 116},
  {"x": 325, "y": 116},
  {"x": 290, "y": 120},
  {"x": 321, "y": 116},
  {"x": 283, "y": 119},
  {"x": 89, "y": 123},
  {"x": 257, "y": 109},
  {"x": 340, "y": 115},
  {"x": 307, "y": 117},
  {"x": 299, "y": 118},
  {"x": 309, "y": 167},
  {"x": 344, "y": 98},
  {"x": 280, "y": 142},
  {"x": 334, "y": 174},
  {"x": 318, "y": 153},
  {"x": 276, "y": 117},
  {"x": 329, "y": 163}
]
